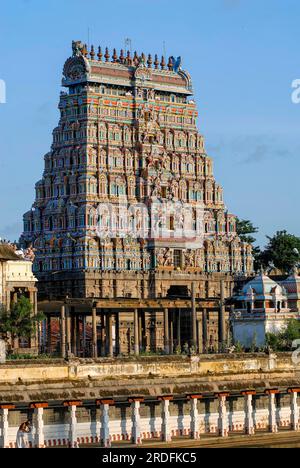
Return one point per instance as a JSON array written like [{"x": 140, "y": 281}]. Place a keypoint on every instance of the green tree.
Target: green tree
[
  {"x": 282, "y": 251},
  {"x": 291, "y": 333},
  {"x": 283, "y": 341},
  {"x": 19, "y": 322},
  {"x": 245, "y": 229},
  {"x": 275, "y": 342}
]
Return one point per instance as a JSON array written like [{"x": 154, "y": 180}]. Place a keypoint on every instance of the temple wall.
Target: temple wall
[{"x": 203, "y": 365}]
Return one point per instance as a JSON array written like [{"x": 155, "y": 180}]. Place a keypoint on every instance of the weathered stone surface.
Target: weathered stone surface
[
  {"x": 2, "y": 352},
  {"x": 50, "y": 380}
]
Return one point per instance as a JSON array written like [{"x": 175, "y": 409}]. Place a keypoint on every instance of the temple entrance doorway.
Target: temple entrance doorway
[{"x": 178, "y": 291}]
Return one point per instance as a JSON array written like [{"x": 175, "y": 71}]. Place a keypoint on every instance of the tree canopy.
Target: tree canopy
[
  {"x": 19, "y": 321},
  {"x": 245, "y": 229},
  {"x": 284, "y": 341},
  {"x": 282, "y": 251}
]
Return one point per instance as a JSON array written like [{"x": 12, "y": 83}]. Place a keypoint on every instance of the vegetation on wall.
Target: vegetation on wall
[
  {"x": 19, "y": 321},
  {"x": 284, "y": 341}
]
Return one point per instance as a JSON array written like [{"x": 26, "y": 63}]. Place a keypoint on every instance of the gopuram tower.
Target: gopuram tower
[{"x": 128, "y": 206}]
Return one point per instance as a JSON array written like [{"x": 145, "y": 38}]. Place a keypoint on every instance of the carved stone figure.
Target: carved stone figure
[
  {"x": 168, "y": 258},
  {"x": 156, "y": 190},
  {"x": 189, "y": 257},
  {"x": 77, "y": 48},
  {"x": 160, "y": 257}
]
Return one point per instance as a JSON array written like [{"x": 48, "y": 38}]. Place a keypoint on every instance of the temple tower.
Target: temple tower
[{"x": 128, "y": 205}]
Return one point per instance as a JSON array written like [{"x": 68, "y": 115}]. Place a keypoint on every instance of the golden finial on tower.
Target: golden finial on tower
[
  {"x": 156, "y": 61},
  {"x": 135, "y": 58},
  {"x": 122, "y": 58},
  {"x": 85, "y": 50},
  {"x": 149, "y": 61},
  {"x": 92, "y": 53},
  {"x": 170, "y": 64},
  {"x": 114, "y": 56},
  {"x": 163, "y": 63},
  {"x": 99, "y": 55},
  {"x": 128, "y": 58},
  {"x": 107, "y": 56}
]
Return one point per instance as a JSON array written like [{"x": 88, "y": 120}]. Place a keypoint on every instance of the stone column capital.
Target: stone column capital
[
  {"x": 38, "y": 405},
  {"x": 136, "y": 400},
  {"x": 105, "y": 401},
  {"x": 272, "y": 391},
  {"x": 72, "y": 403},
  {"x": 194, "y": 396},
  {"x": 165, "y": 398}
]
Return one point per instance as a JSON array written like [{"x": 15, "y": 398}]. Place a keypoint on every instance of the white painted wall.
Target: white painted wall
[
  {"x": 208, "y": 423},
  {"x": 245, "y": 332}
]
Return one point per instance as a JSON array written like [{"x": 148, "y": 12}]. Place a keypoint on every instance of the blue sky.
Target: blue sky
[{"x": 242, "y": 54}]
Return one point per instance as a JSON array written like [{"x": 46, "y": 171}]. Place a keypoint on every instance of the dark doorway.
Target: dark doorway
[{"x": 178, "y": 291}]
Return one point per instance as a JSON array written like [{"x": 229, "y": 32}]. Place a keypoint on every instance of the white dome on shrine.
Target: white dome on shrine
[
  {"x": 292, "y": 284},
  {"x": 262, "y": 286}
]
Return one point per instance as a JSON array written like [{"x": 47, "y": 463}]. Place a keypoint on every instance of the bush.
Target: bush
[
  {"x": 283, "y": 341},
  {"x": 17, "y": 357},
  {"x": 239, "y": 348}
]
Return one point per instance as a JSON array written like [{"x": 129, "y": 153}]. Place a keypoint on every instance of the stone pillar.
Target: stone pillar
[
  {"x": 194, "y": 319},
  {"x": 194, "y": 428},
  {"x": 294, "y": 409},
  {"x": 73, "y": 426},
  {"x": 8, "y": 299},
  {"x": 94, "y": 333},
  {"x": 78, "y": 338},
  {"x": 272, "y": 410},
  {"x": 166, "y": 331},
  {"x": 171, "y": 332},
  {"x": 63, "y": 331},
  {"x": 222, "y": 317},
  {"x": 49, "y": 344},
  {"x": 136, "y": 332},
  {"x": 223, "y": 419},
  {"x": 141, "y": 338},
  {"x": 104, "y": 429},
  {"x": 2, "y": 351},
  {"x": 179, "y": 328},
  {"x": 84, "y": 335},
  {"x": 39, "y": 429},
  {"x": 103, "y": 335},
  {"x": 74, "y": 333},
  {"x": 39, "y": 336},
  {"x": 110, "y": 337},
  {"x": 136, "y": 420},
  {"x": 4, "y": 426},
  {"x": 68, "y": 333},
  {"x": 117, "y": 334},
  {"x": 200, "y": 337},
  {"x": 204, "y": 328},
  {"x": 165, "y": 417},
  {"x": 249, "y": 423}
]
